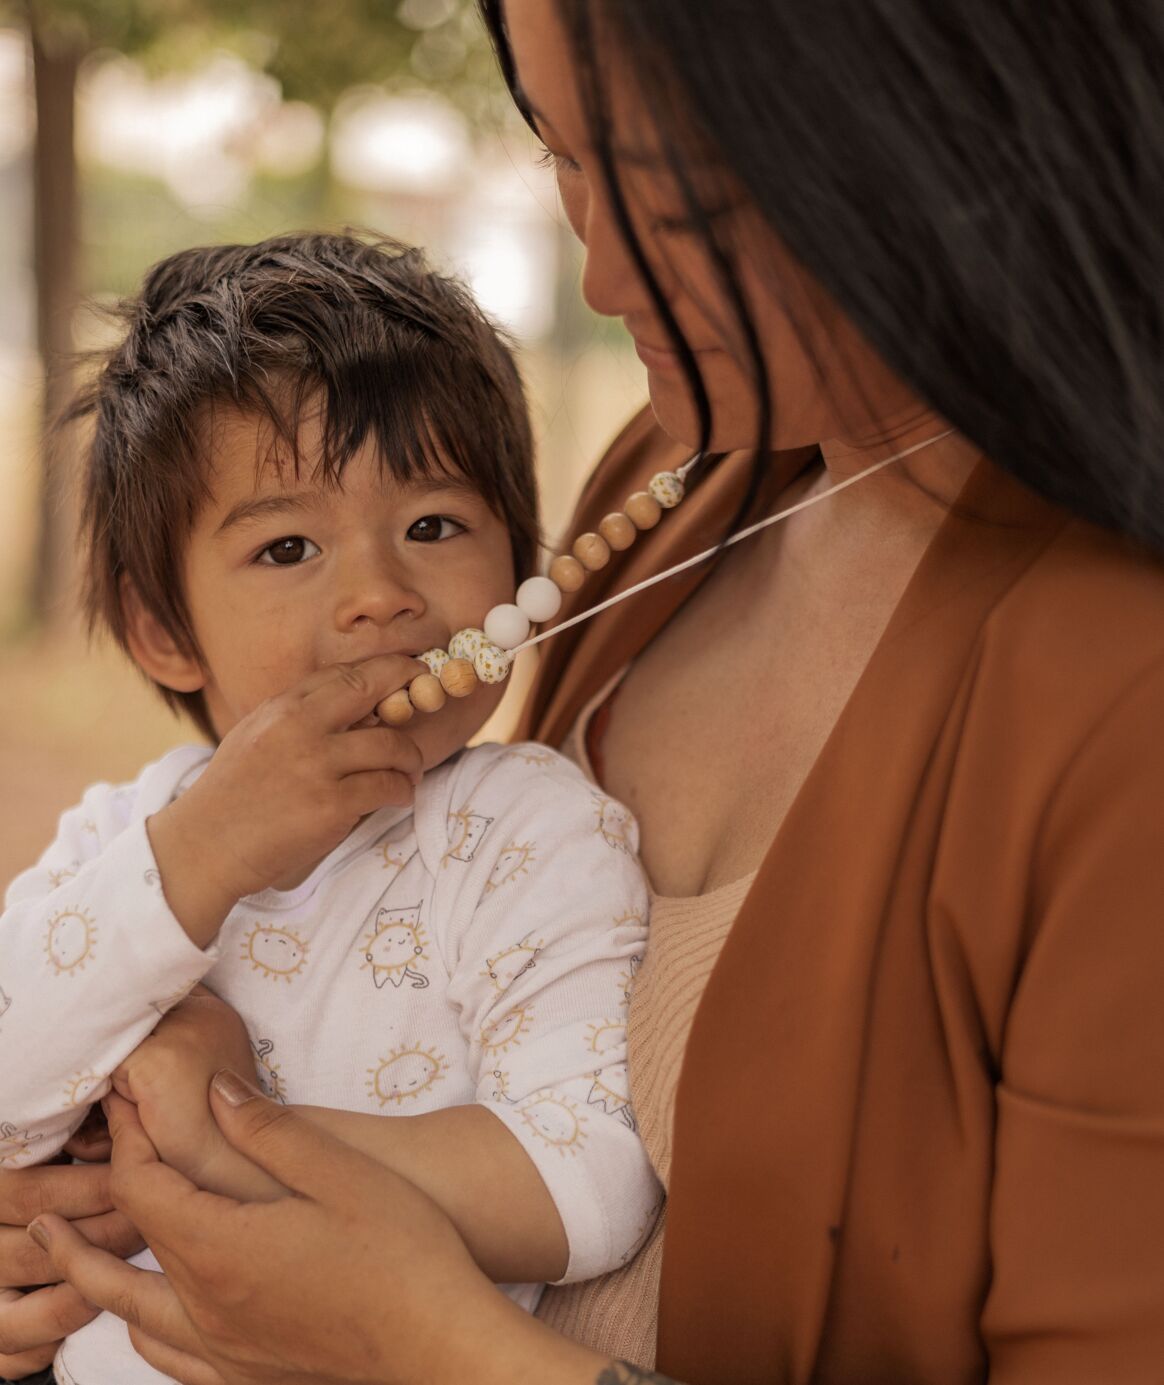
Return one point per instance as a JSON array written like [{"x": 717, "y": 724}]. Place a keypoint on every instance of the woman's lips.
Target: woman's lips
[{"x": 661, "y": 359}]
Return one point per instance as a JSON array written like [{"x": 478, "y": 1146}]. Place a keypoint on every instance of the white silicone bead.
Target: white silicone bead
[
  {"x": 539, "y": 598},
  {"x": 436, "y": 659},
  {"x": 465, "y": 643},
  {"x": 507, "y": 626},
  {"x": 667, "y": 488},
  {"x": 491, "y": 664}
]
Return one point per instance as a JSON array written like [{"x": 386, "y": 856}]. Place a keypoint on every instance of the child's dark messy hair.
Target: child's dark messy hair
[{"x": 388, "y": 348}]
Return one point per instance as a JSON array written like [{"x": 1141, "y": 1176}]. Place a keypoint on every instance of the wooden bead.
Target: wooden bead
[
  {"x": 567, "y": 573},
  {"x": 492, "y": 664},
  {"x": 643, "y": 510},
  {"x": 618, "y": 531},
  {"x": 539, "y": 598},
  {"x": 668, "y": 489},
  {"x": 592, "y": 551},
  {"x": 507, "y": 626},
  {"x": 426, "y": 693},
  {"x": 396, "y": 708},
  {"x": 458, "y": 678}
]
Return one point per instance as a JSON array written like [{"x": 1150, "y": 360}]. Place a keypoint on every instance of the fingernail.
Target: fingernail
[
  {"x": 233, "y": 1089},
  {"x": 39, "y": 1234}
]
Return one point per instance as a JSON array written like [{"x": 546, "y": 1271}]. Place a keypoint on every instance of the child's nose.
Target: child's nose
[{"x": 375, "y": 591}]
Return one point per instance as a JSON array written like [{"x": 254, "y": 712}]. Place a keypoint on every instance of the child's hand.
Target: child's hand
[
  {"x": 285, "y": 787},
  {"x": 168, "y": 1077}
]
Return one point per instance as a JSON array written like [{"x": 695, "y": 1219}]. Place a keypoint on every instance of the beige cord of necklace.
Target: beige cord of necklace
[{"x": 486, "y": 655}]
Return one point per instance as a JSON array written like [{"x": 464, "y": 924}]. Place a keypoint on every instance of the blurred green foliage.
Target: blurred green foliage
[{"x": 316, "y": 49}]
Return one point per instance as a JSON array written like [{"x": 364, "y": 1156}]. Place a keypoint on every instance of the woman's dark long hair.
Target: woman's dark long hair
[{"x": 978, "y": 185}]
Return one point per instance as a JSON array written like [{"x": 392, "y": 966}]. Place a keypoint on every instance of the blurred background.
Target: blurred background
[{"x": 132, "y": 128}]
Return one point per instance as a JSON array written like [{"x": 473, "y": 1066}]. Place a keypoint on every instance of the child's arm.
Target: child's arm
[
  {"x": 90, "y": 958},
  {"x": 463, "y": 1158},
  {"x": 119, "y": 918}
]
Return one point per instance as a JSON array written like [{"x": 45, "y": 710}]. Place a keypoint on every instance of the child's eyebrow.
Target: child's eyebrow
[{"x": 261, "y": 506}]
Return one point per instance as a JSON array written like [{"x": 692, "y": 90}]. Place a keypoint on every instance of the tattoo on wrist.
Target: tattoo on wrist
[{"x": 623, "y": 1373}]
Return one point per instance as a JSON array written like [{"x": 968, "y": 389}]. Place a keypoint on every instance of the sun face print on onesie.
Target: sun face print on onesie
[
  {"x": 14, "y": 1143},
  {"x": 5, "y": 1002},
  {"x": 394, "y": 949},
  {"x": 267, "y": 1071},
  {"x": 465, "y": 830},
  {"x": 556, "y": 1121},
  {"x": 79, "y": 1089},
  {"x": 278, "y": 953},
  {"x": 60, "y": 874},
  {"x": 613, "y": 824},
  {"x": 70, "y": 940},
  {"x": 498, "y": 1036},
  {"x": 626, "y": 977},
  {"x": 504, "y": 969},
  {"x": 530, "y": 755},
  {"x": 514, "y": 862},
  {"x": 405, "y": 1074},
  {"x": 500, "y": 1091}
]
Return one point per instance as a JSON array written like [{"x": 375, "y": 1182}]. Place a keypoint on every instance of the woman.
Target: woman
[{"x": 895, "y": 761}]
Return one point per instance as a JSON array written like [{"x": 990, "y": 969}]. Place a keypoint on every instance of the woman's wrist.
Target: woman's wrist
[{"x": 498, "y": 1343}]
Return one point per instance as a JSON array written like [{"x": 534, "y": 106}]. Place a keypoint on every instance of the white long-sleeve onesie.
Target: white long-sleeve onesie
[{"x": 476, "y": 948}]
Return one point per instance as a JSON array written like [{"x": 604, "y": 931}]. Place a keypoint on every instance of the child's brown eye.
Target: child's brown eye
[
  {"x": 433, "y": 528},
  {"x": 289, "y": 551}
]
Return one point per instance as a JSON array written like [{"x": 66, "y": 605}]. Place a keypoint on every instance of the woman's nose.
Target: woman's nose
[
  {"x": 611, "y": 282},
  {"x": 374, "y": 590}
]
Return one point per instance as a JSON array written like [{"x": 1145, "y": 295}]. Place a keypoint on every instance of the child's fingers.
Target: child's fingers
[
  {"x": 163, "y": 1204},
  {"x": 376, "y": 788},
  {"x": 344, "y": 693},
  {"x": 376, "y": 747}
]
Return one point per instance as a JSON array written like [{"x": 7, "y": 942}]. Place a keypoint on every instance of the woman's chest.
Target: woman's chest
[{"x": 721, "y": 719}]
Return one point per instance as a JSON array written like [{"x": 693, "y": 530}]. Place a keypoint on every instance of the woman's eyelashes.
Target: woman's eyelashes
[{"x": 560, "y": 163}]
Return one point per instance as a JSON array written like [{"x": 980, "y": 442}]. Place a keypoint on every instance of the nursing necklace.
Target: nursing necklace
[{"x": 486, "y": 656}]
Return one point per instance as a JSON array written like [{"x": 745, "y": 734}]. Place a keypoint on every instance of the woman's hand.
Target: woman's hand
[
  {"x": 354, "y": 1277},
  {"x": 33, "y": 1324}
]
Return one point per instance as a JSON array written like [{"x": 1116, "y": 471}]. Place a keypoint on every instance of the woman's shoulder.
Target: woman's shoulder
[{"x": 1087, "y": 614}]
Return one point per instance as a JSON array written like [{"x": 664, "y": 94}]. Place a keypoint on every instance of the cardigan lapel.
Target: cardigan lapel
[
  {"x": 575, "y": 664},
  {"x": 769, "y": 1088}
]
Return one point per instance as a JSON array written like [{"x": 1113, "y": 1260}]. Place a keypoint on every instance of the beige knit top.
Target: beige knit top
[{"x": 618, "y": 1313}]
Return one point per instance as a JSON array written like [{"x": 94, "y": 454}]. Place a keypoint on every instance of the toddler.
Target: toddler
[{"x": 310, "y": 463}]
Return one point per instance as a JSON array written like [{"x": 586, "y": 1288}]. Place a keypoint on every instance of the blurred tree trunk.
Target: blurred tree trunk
[{"x": 55, "y": 61}]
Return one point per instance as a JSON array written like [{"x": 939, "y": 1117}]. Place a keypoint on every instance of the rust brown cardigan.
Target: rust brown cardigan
[{"x": 920, "y": 1125}]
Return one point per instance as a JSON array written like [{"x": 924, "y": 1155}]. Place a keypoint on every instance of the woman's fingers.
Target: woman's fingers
[
  {"x": 25, "y": 1263},
  {"x": 141, "y": 1298},
  {"x": 300, "y": 1155},
  {"x": 70, "y": 1190},
  {"x": 172, "y": 1362},
  {"x": 31, "y": 1324}
]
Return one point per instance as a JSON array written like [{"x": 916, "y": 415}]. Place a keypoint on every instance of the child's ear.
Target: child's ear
[{"x": 154, "y": 649}]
